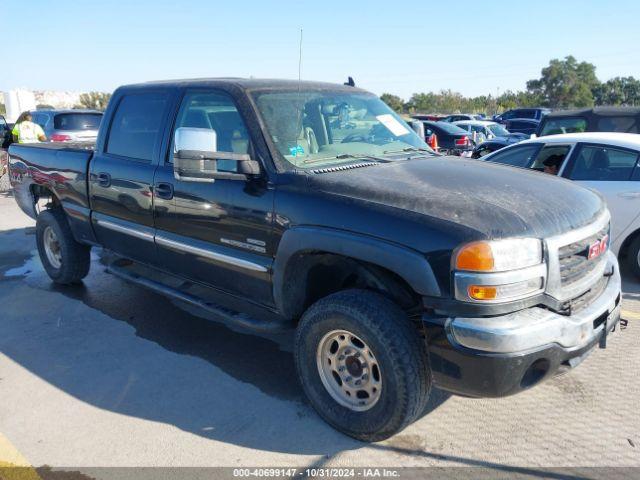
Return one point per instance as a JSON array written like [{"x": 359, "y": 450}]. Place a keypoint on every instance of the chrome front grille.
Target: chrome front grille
[
  {"x": 571, "y": 273},
  {"x": 574, "y": 258}
]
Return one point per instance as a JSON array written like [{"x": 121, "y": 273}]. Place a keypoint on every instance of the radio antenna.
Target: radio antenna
[
  {"x": 300, "y": 61},
  {"x": 299, "y": 107}
]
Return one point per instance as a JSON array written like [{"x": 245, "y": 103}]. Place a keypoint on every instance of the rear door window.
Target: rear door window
[
  {"x": 77, "y": 121},
  {"x": 136, "y": 125},
  {"x": 619, "y": 124},
  {"x": 596, "y": 162},
  {"x": 521, "y": 156},
  {"x": 556, "y": 126},
  {"x": 508, "y": 115}
]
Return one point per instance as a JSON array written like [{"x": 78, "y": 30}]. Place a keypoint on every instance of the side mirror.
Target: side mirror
[{"x": 196, "y": 157}]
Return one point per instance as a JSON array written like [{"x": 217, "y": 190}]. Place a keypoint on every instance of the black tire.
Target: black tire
[
  {"x": 398, "y": 348},
  {"x": 633, "y": 256},
  {"x": 75, "y": 257}
]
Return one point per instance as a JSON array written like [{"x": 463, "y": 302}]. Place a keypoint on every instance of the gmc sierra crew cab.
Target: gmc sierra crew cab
[{"x": 280, "y": 204}]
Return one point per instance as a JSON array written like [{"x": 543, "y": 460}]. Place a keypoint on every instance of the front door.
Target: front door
[
  {"x": 613, "y": 172},
  {"x": 216, "y": 233},
  {"x": 121, "y": 176}
]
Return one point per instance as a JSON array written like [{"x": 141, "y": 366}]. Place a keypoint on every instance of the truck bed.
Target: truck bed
[{"x": 60, "y": 167}]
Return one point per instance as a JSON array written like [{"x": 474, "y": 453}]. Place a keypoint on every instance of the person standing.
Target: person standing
[{"x": 26, "y": 131}]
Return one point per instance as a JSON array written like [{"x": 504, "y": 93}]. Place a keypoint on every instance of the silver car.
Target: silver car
[
  {"x": 69, "y": 125},
  {"x": 606, "y": 162}
]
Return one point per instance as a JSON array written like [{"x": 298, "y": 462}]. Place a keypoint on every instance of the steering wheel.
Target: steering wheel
[{"x": 355, "y": 137}]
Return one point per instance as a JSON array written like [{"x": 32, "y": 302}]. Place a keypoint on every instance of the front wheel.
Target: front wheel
[
  {"x": 65, "y": 260},
  {"x": 362, "y": 364}
]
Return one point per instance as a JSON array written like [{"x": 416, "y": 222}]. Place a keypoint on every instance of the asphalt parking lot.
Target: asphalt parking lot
[{"x": 108, "y": 374}]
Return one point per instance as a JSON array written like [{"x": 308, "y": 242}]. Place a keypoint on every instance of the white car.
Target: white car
[
  {"x": 605, "y": 162},
  {"x": 483, "y": 129},
  {"x": 461, "y": 116}
]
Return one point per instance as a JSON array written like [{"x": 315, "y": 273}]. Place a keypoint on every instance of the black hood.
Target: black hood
[{"x": 495, "y": 200}]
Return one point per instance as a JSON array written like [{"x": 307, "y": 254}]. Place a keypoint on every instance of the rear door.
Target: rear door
[
  {"x": 121, "y": 174},
  {"x": 217, "y": 233},
  {"x": 613, "y": 172}
]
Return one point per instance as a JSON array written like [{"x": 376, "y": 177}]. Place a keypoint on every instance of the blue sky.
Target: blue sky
[{"x": 474, "y": 47}]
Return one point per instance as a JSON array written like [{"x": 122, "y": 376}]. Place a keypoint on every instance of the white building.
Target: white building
[{"x": 18, "y": 100}]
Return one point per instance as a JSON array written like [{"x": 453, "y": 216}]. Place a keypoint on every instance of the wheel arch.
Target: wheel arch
[
  {"x": 312, "y": 262},
  {"x": 76, "y": 216},
  {"x": 626, "y": 243}
]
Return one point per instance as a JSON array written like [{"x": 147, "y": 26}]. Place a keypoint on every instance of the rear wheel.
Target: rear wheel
[
  {"x": 65, "y": 260},
  {"x": 362, "y": 364}
]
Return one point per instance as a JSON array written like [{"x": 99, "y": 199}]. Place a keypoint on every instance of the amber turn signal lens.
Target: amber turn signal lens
[
  {"x": 479, "y": 292},
  {"x": 476, "y": 257}
]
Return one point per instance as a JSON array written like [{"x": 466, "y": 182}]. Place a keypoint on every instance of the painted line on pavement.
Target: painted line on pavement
[{"x": 13, "y": 465}]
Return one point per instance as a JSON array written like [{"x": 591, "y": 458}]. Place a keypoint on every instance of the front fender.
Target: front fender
[{"x": 409, "y": 264}]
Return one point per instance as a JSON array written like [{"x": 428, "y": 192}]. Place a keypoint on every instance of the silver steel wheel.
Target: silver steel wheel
[
  {"x": 52, "y": 247},
  {"x": 349, "y": 370}
]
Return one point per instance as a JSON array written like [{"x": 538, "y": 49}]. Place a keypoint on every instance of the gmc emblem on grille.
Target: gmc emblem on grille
[{"x": 598, "y": 248}]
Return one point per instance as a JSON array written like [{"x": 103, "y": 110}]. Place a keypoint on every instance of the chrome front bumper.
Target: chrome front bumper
[{"x": 535, "y": 327}]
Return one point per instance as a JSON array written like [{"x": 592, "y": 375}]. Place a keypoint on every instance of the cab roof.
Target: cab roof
[
  {"x": 247, "y": 84},
  {"x": 596, "y": 111}
]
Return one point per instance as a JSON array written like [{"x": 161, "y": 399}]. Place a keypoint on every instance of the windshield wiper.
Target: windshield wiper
[
  {"x": 410, "y": 149},
  {"x": 346, "y": 156}
]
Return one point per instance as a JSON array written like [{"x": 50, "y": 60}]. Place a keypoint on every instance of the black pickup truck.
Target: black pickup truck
[{"x": 281, "y": 204}]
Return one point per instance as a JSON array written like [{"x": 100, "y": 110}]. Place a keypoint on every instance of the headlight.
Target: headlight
[
  {"x": 499, "y": 255},
  {"x": 499, "y": 270}
]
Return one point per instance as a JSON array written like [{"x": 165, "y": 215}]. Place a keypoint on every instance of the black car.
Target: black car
[
  {"x": 598, "y": 119},
  {"x": 522, "y": 125},
  {"x": 281, "y": 205},
  {"x": 528, "y": 113},
  {"x": 489, "y": 146},
  {"x": 452, "y": 139}
]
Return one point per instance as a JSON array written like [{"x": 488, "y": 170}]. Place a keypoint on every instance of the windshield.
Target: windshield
[
  {"x": 77, "y": 121},
  {"x": 498, "y": 130},
  {"x": 315, "y": 129}
]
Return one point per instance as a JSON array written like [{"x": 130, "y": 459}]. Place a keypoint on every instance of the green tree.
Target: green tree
[
  {"x": 394, "y": 102},
  {"x": 3, "y": 110},
  {"x": 94, "y": 100},
  {"x": 618, "y": 91},
  {"x": 565, "y": 83}
]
